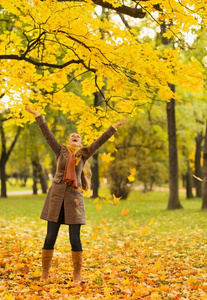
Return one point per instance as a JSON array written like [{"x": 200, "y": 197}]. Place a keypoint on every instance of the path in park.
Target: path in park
[
  {"x": 29, "y": 192},
  {"x": 138, "y": 187}
]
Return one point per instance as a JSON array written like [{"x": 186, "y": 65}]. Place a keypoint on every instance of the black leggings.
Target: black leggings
[{"x": 52, "y": 233}]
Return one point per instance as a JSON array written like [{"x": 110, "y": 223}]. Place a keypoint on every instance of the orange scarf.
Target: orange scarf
[{"x": 70, "y": 174}]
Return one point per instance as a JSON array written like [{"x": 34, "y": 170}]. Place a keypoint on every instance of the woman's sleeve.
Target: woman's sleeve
[
  {"x": 99, "y": 142},
  {"x": 48, "y": 135}
]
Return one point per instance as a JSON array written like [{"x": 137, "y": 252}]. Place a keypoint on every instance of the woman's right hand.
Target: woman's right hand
[{"x": 34, "y": 112}]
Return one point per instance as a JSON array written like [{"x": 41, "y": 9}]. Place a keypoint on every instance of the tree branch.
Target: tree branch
[
  {"x": 138, "y": 146},
  {"x": 45, "y": 64},
  {"x": 126, "y": 10}
]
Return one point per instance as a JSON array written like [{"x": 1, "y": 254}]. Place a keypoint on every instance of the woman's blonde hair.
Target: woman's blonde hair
[{"x": 86, "y": 176}]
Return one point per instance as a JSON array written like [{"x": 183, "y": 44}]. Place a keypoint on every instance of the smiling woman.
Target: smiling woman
[
  {"x": 64, "y": 203},
  {"x": 75, "y": 140}
]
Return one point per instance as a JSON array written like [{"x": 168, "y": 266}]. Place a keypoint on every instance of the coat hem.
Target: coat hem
[{"x": 45, "y": 219}]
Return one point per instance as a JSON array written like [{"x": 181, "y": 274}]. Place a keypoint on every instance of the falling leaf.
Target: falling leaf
[
  {"x": 78, "y": 211},
  {"x": 106, "y": 157},
  {"x": 98, "y": 207},
  {"x": 103, "y": 221},
  {"x": 198, "y": 178},
  {"x": 80, "y": 189},
  {"x": 133, "y": 171},
  {"x": 77, "y": 159},
  {"x": 131, "y": 178},
  {"x": 96, "y": 200},
  {"x": 77, "y": 202},
  {"x": 116, "y": 199},
  {"x": 124, "y": 212},
  {"x": 88, "y": 193}
]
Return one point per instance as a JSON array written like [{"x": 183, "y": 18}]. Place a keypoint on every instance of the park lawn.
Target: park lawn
[
  {"x": 133, "y": 250},
  {"x": 14, "y": 185}
]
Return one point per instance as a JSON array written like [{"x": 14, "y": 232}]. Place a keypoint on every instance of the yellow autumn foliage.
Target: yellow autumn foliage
[{"x": 53, "y": 43}]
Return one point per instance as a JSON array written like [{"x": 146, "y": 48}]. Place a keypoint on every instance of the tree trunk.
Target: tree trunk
[
  {"x": 95, "y": 176},
  {"x": 35, "y": 177},
  {"x": 204, "y": 182},
  {"x": 3, "y": 179},
  {"x": 43, "y": 181},
  {"x": 39, "y": 173},
  {"x": 5, "y": 155},
  {"x": 173, "y": 201},
  {"x": 198, "y": 169},
  {"x": 53, "y": 167},
  {"x": 42, "y": 177},
  {"x": 188, "y": 176},
  {"x": 95, "y": 170}
]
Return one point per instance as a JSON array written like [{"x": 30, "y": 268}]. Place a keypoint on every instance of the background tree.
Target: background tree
[
  {"x": 204, "y": 182},
  {"x": 141, "y": 145},
  {"x": 6, "y": 149}
]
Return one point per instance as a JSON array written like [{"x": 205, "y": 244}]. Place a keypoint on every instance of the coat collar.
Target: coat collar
[{"x": 65, "y": 152}]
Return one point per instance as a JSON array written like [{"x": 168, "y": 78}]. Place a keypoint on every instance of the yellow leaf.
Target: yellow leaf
[
  {"x": 126, "y": 281},
  {"x": 134, "y": 225},
  {"x": 103, "y": 221},
  {"x": 53, "y": 290},
  {"x": 116, "y": 199},
  {"x": 98, "y": 207},
  {"x": 131, "y": 178},
  {"x": 106, "y": 157},
  {"x": 155, "y": 296},
  {"x": 94, "y": 236},
  {"x": 124, "y": 212},
  {"x": 9, "y": 297},
  {"x": 133, "y": 171},
  {"x": 78, "y": 211},
  {"x": 96, "y": 200},
  {"x": 88, "y": 193},
  {"x": 162, "y": 278},
  {"x": 144, "y": 230}
]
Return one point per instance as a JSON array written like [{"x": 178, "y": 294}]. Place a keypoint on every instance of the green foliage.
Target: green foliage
[{"x": 140, "y": 144}]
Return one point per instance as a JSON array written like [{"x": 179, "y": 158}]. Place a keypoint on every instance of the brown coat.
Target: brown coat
[{"x": 60, "y": 192}]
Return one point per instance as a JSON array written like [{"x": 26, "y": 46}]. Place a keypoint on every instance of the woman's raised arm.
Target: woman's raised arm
[
  {"x": 34, "y": 112},
  {"x": 48, "y": 135},
  {"x": 120, "y": 123},
  {"x": 103, "y": 138}
]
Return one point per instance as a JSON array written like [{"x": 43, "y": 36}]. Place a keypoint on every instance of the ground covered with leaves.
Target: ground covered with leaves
[{"x": 145, "y": 253}]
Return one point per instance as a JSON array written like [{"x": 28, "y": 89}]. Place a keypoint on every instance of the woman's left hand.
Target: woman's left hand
[{"x": 123, "y": 121}]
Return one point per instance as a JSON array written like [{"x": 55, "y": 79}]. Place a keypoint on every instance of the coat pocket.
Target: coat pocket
[{"x": 58, "y": 177}]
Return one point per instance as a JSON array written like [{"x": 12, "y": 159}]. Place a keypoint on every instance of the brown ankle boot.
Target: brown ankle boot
[
  {"x": 77, "y": 258},
  {"x": 46, "y": 263}
]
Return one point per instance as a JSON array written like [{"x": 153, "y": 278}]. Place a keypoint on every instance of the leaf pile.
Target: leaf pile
[{"x": 141, "y": 263}]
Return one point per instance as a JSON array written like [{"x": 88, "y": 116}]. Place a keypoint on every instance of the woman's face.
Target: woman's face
[{"x": 74, "y": 140}]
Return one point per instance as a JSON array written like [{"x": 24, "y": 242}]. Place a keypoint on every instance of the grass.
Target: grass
[
  {"x": 144, "y": 209},
  {"x": 15, "y": 186}
]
